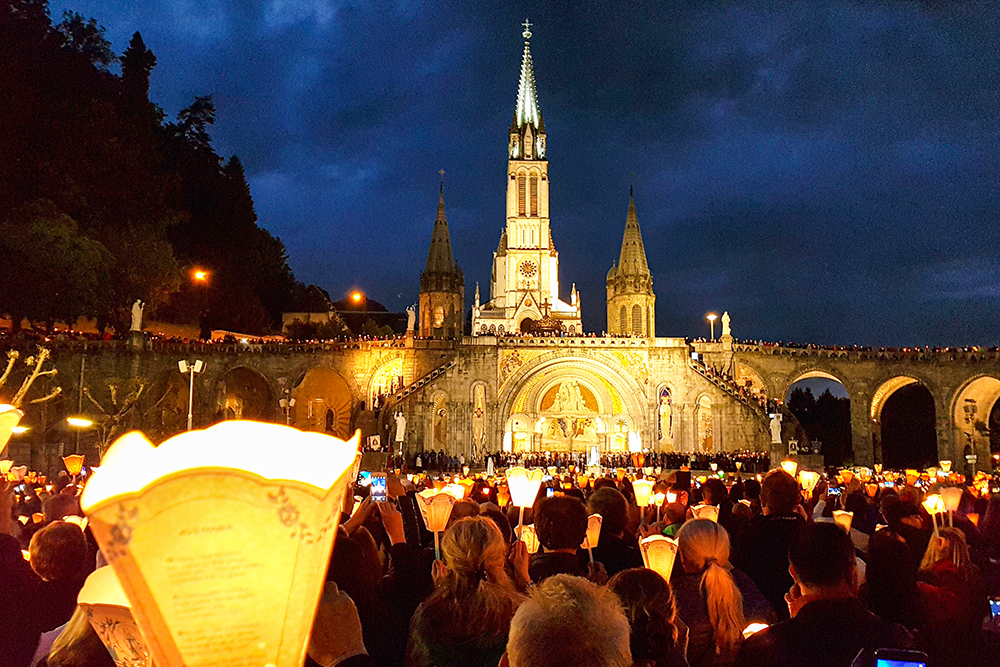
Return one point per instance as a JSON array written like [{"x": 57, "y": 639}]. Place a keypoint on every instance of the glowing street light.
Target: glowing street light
[
  {"x": 79, "y": 422},
  {"x": 711, "y": 317},
  {"x": 356, "y": 297},
  {"x": 199, "y": 276},
  {"x": 194, "y": 367}
]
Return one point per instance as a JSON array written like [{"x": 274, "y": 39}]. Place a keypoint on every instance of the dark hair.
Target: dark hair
[
  {"x": 501, "y": 521},
  {"x": 823, "y": 554},
  {"x": 59, "y": 551},
  {"x": 603, "y": 482},
  {"x": 751, "y": 489},
  {"x": 713, "y": 491},
  {"x": 890, "y": 590},
  {"x": 354, "y": 565},
  {"x": 560, "y": 522},
  {"x": 611, "y": 505},
  {"x": 780, "y": 492},
  {"x": 648, "y": 603}
]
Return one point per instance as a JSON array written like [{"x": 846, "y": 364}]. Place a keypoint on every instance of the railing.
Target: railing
[
  {"x": 909, "y": 355},
  {"x": 730, "y": 387}
]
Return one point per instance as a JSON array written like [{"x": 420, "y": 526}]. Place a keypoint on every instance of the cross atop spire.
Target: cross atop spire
[
  {"x": 527, "y": 30},
  {"x": 527, "y": 111}
]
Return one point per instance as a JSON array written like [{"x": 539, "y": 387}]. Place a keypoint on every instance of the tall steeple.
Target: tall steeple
[
  {"x": 442, "y": 284},
  {"x": 527, "y": 129},
  {"x": 631, "y": 301}
]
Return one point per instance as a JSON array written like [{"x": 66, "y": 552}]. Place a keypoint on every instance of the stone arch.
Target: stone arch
[
  {"x": 323, "y": 403},
  {"x": 974, "y": 407},
  {"x": 666, "y": 420},
  {"x": 479, "y": 400},
  {"x": 898, "y": 442},
  {"x": 244, "y": 393},
  {"x": 386, "y": 378},
  {"x": 756, "y": 382},
  {"x": 439, "y": 421},
  {"x": 821, "y": 423},
  {"x": 806, "y": 374}
]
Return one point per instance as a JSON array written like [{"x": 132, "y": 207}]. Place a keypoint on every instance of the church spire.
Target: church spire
[
  {"x": 439, "y": 257},
  {"x": 442, "y": 285},
  {"x": 632, "y": 260},
  {"x": 527, "y": 111}
]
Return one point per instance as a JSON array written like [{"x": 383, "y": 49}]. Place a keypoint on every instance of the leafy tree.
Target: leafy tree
[{"x": 86, "y": 38}]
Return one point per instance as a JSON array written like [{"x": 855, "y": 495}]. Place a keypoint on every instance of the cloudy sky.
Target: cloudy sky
[{"x": 827, "y": 171}]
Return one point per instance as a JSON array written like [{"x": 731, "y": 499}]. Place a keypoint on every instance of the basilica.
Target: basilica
[{"x": 527, "y": 377}]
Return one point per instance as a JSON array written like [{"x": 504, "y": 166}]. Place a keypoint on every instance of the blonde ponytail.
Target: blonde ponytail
[{"x": 704, "y": 544}]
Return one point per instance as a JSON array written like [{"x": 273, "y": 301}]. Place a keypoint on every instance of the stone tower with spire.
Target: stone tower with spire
[
  {"x": 631, "y": 302},
  {"x": 524, "y": 284},
  {"x": 442, "y": 284}
]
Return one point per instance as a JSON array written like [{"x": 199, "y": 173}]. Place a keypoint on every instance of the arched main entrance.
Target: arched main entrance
[
  {"x": 323, "y": 403},
  {"x": 573, "y": 405},
  {"x": 903, "y": 423},
  {"x": 246, "y": 395}
]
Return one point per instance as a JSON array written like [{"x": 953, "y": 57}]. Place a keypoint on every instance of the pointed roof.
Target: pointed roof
[
  {"x": 439, "y": 257},
  {"x": 632, "y": 261},
  {"x": 527, "y": 111}
]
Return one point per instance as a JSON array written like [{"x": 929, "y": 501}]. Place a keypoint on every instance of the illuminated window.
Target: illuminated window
[
  {"x": 520, "y": 194},
  {"x": 637, "y": 319},
  {"x": 534, "y": 195},
  {"x": 438, "y": 317}
]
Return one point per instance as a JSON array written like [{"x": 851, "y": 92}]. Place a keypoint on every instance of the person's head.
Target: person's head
[
  {"x": 822, "y": 558},
  {"x": 751, "y": 489},
  {"x": 704, "y": 547},
  {"x": 604, "y": 482},
  {"x": 610, "y": 504},
  {"x": 713, "y": 491},
  {"x": 58, "y": 506},
  {"x": 58, "y": 551},
  {"x": 560, "y": 522},
  {"x": 779, "y": 494},
  {"x": 474, "y": 548},
  {"x": 891, "y": 578},
  {"x": 949, "y": 545},
  {"x": 649, "y": 607},
  {"x": 500, "y": 519},
  {"x": 569, "y": 622},
  {"x": 462, "y": 509},
  {"x": 354, "y": 565},
  {"x": 857, "y": 503}
]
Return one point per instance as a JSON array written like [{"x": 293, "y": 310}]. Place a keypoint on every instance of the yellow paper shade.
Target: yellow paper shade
[
  {"x": 435, "y": 508},
  {"x": 5, "y": 466},
  {"x": 843, "y": 518},
  {"x": 791, "y": 467},
  {"x": 710, "y": 512},
  {"x": 220, "y": 538},
  {"x": 530, "y": 538},
  {"x": 643, "y": 489},
  {"x": 9, "y": 417},
  {"x": 457, "y": 491},
  {"x": 847, "y": 476},
  {"x": 110, "y": 614},
  {"x": 934, "y": 504},
  {"x": 17, "y": 473},
  {"x": 808, "y": 479},
  {"x": 593, "y": 535},
  {"x": 753, "y": 628},
  {"x": 952, "y": 497},
  {"x": 73, "y": 463},
  {"x": 524, "y": 484},
  {"x": 945, "y": 465},
  {"x": 658, "y": 554}
]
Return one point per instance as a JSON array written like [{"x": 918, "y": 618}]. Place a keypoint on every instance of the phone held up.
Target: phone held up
[
  {"x": 378, "y": 487},
  {"x": 886, "y": 657}
]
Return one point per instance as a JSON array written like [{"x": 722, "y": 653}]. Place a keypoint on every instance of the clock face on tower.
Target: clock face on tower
[{"x": 528, "y": 268}]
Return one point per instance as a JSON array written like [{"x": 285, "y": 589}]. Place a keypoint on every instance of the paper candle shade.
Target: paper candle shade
[
  {"x": 5, "y": 466},
  {"x": 753, "y": 628},
  {"x": 658, "y": 554},
  {"x": 435, "y": 508},
  {"x": 17, "y": 473},
  {"x": 110, "y": 614},
  {"x": 974, "y": 518},
  {"x": 945, "y": 465},
  {"x": 643, "y": 489},
  {"x": 864, "y": 474},
  {"x": 220, "y": 538},
  {"x": 878, "y": 468},
  {"x": 843, "y": 518},
  {"x": 911, "y": 477},
  {"x": 791, "y": 467},
  {"x": 73, "y": 463},
  {"x": 808, "y": 479},
  {"x": 952, "y": 497},
  {"x": 593, "y": 535},
  {"x": 710, "y": 512},
  {"x": 9, "y": 417},
  {"x": 847, "y": 476},
  {"x": 524, "y": 484},
  {"x": 658, "y": 499},
  {"x": 872, "y": 489},
  {"x": 76, "y": 520},
  {"x": 934, "y": 504},
  {"x": 455, "y": 490},
  {"x": 530, "y": 538}
]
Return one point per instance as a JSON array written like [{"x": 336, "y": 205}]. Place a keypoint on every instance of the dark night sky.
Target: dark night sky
[{"x": 826, "y": 170}]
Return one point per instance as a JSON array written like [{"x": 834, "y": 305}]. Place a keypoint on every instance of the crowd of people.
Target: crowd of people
[{"x": 772, "y": 555}]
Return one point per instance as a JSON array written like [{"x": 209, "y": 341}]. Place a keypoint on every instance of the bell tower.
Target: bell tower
[
  {"x": 631, "y": 301},
  {"x": 442, "y": 284}
]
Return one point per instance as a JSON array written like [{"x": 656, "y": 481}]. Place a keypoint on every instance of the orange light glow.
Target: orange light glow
[
  {"x": 199, "y": 275},
  {"x": 356, "y": 296}
]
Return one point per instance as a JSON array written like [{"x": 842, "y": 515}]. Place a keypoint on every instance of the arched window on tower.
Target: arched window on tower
[
  {"x": 649, "y": 324},
  {"x": 623, "y": 321},
  {"x": 637, "y": 319},
  {"x": 534, "y": 195},
  {"x": 520, "y": 194}
]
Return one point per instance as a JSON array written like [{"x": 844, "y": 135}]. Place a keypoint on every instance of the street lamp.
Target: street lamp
[
  {"x": 711, "y": 321},
  {"x": 287, "y": 404},
  {"x": 196, "y": 366}
]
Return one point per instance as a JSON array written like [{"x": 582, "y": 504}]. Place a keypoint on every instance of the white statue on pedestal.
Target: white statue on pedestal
[
  {"x": 776, "y": 429},
  {"x": 411, "y": 316},
  {"x": 400, "y": 427},
  {"x": 137, "y": 309},
  {"x": 725, "y": 324},
  {"x": 595, "y": 458}
]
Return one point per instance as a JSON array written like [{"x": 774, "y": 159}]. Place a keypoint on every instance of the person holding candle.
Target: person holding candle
[
  {"x": 613, "y": 550},
  {"x": 561, "y": 526}
]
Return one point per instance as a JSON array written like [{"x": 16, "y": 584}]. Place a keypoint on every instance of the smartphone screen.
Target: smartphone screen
[
  {"x": 995, "y": 606},
  {"x": 378, "y": 487},
  {"x": 549, "y": 492},
  {"x": 882, "y": 662},
  {"x": 896, "y": 658},
  {"x": 364, "y": 478}
]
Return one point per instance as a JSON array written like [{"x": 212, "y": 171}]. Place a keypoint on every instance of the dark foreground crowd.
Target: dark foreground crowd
[{"x": 829, "y": 596}]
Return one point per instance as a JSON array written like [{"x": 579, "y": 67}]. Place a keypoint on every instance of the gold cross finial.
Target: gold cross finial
[{"x": 527, "y": 30}]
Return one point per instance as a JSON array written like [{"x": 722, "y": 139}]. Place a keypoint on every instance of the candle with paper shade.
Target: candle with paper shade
[
  {"x": 864, "y": 474},
  {"x": 789, "y": 466},
  {"x": 523, "y": 485},
  {"x": 110, "y": 614},
  {"x": 9, "y": 417},
  {"x": 74, "y": 464},
  {"x": 808, "y": 479},
  {"x": 952, "y": 498},
  {"x": 529, "y": 537},
  {"x": 847, "y": 476},
  {"x": 17, "y": 473},
  {"x": 934, "y": 505},
  {"x": 945, "y": 465},
  {"x": 643, "y": 489},
  {"x": 878, "y": 468},
  {"x": 754, "y": 628},
  {"x": 221, "y": 537},
  {"x": 455, "y": 490},
  {"x": 593, "y": 535},
  {"x": 710, "y": 512},
  {"x": 843, "y": 518},
  {"x": 5, "y": 466},
  {"x": 435, "y": 508},
  {"x": 658, "y": 554}
]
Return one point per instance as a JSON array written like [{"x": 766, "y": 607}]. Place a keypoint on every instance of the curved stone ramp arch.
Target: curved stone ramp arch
[
  {"x": 246, "y": 394},
  {"x": 323, "y": 403},
  {"x": 972, "y": 410},
  {"x": 836, "y": 447}
]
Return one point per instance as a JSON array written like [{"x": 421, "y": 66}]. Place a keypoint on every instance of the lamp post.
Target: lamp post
[
  {"x": 711, "y": 317},
  {"x": 196, "y": 366}
]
